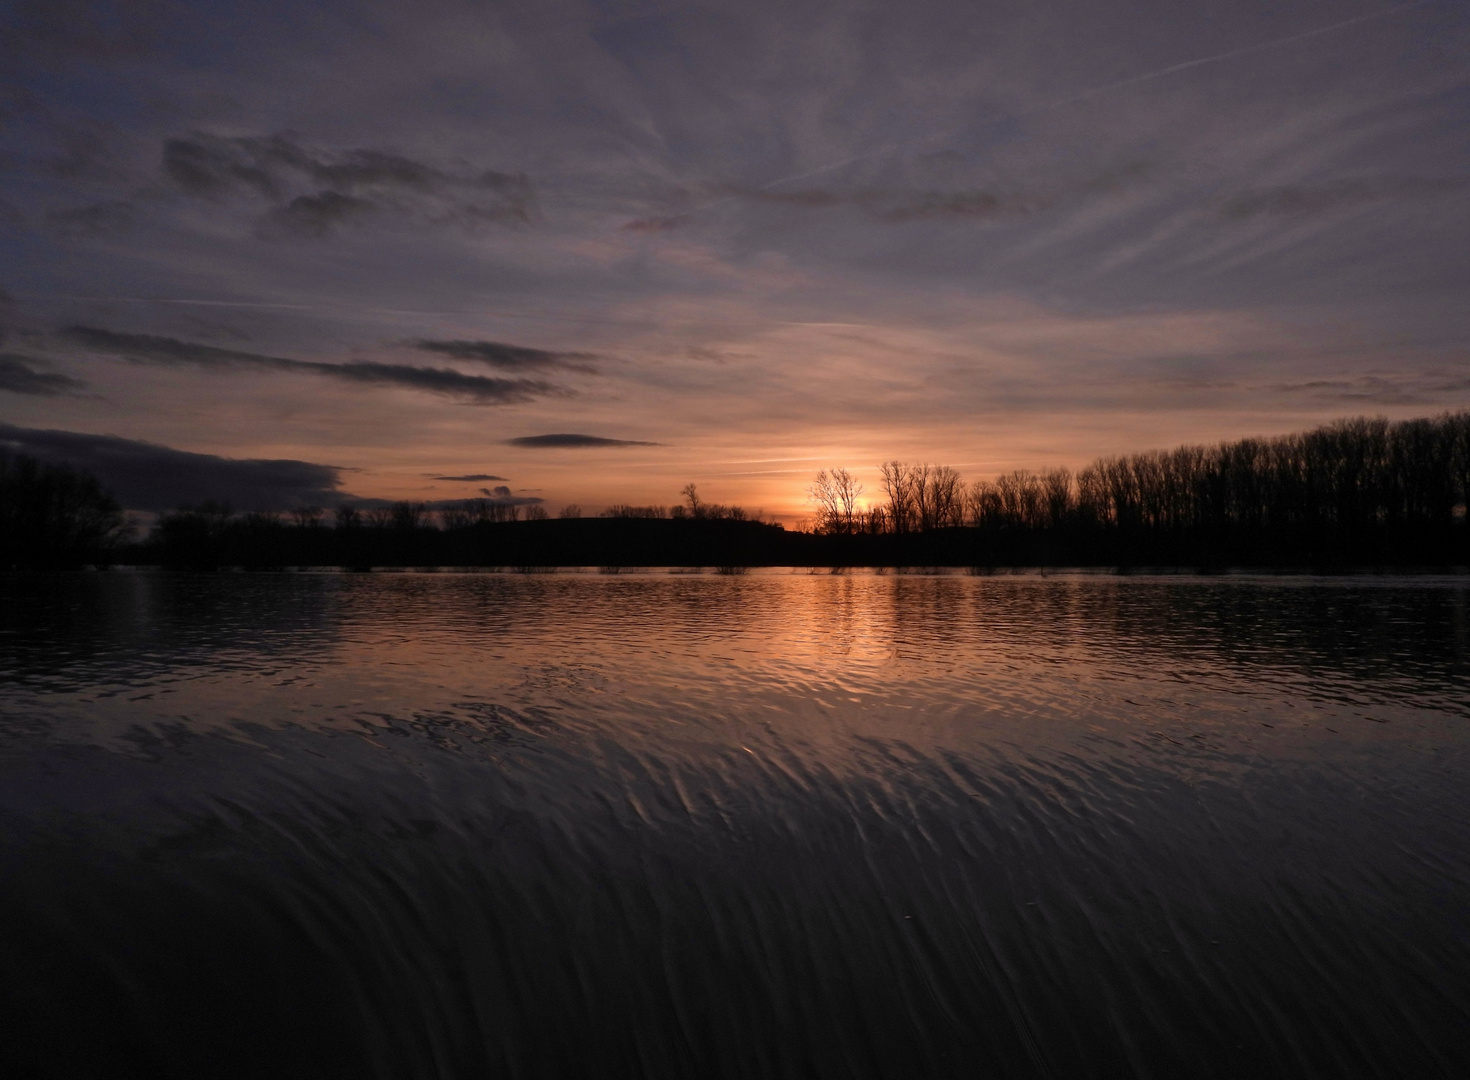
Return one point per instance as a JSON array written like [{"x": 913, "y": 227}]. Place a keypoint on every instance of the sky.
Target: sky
[{"x": 589, "y": 252}]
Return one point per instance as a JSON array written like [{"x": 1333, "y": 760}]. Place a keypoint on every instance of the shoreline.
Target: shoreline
[{"x": 812, "y": 570}]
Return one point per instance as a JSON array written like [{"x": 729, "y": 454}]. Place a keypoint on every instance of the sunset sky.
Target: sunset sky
[{"x": 389, "y": 248}]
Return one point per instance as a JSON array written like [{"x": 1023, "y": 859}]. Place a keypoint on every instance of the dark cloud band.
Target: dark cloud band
[
  {"x": 18, "y": 376},
  {"x": 313, "y": 192},
  {"x": 146, "y": 476},
  {"x": 567, "y": 440},
  {"x": 1303, "y": 199},
  {"x": 503, "y": 496},
  {"x": 511, "y": 357},
  {"x": 152, "y": 349}
]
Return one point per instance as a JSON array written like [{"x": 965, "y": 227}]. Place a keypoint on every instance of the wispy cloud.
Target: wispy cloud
[
  {"x": 1408, "y": 388},
  {"x": 18, "y": 375},
  {"x": 319, "y": 215},
  {"x": 910, "y": 204},
  {"x": 887, "y": 205},
  {"x": 469, "y": 478},
  {"x": 896, "y": 204},
  {"x": 510, "y": 357},
  {"x": 1290, "y": 200},
  {"x": 153, "y": 349},
  {"x": 787, "y": 231},
  {"x": 313, "y": 192}
]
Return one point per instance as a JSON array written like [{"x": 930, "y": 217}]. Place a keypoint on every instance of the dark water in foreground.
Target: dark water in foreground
[{"x": 766, "y": 826}]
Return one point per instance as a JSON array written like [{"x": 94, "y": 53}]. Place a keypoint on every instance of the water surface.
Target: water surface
[{"x": 776, "y": 825}]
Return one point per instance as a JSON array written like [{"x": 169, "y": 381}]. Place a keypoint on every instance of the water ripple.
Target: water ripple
[{"x": 770, "y": 825}]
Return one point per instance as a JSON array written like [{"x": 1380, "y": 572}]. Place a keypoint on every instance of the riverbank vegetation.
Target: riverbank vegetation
[
  {"x": 56, "y": 517},
  {"x": 1355, "y": 493}
]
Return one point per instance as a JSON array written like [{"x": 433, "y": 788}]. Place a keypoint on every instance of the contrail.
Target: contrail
[
  {"x": 1107, "y": 88},
  {"x": 1095, "y": 91},
  {"x": 175, "y": 300},
  {"x": 1259, "y": 47},
  {"x": 1084, "y": 95},
  {"x": 364, "y": 309}
]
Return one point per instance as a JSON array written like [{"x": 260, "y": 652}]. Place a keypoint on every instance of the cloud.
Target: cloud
[
  {"x": 566, "y": 440},
  {"x": 515, "y": 357},
  {"x": 318, "y": 215},
  {"x": 146, "y": 476},
  {"x": 503, "y": 497},
  {"x": 841, "y": 206},
  {"x": 1400, "y": 389},
  {"x": 468, "y": 478},
  {"x": 313, "y": 192},
  {"x": 894, "y": 205},
  {"x": 206, "y": 166},
  {"x": 1304, "y": 199},
  {"x": 975, "y": 205},
  {"x": 475, "y": 388},
  {"x": 151, "y": 349},
  {"x": 816, "y": 198},
  {"x": 901, "y": 203},
  {"x": 18, "y": 377}
]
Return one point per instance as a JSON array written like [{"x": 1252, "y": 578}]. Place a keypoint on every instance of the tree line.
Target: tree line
[
  {"x": 1358, "y": 492},
  {"x": 467, "y": 532},
  {"x": 1364, "y": 490},
  {"x": 54, "y": 516}
]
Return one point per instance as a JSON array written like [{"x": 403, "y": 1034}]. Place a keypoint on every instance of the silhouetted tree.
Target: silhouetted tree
[
  {"x": 193, "y": 537},
  {"x": 55, "y": 516},
  {"x": 945, "y": 501},
  {"x": 1360, "y": 490},
  {"x": 823, "y": 495},
  {"x": 623, "y": 510},
  {"x": 1363, "y": 491},
  {"x": 1020, "y": 499},
  {"x": 256, "y": 541},
  {"x": 1056, "y": 493},
  {"x": 704, "y": 511},
  {"x": 922, "y": 497},
  {"x": 898, "y": 487},
  {"x": 407, "y": 516},
  {"x": 457, "y": 516}
]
